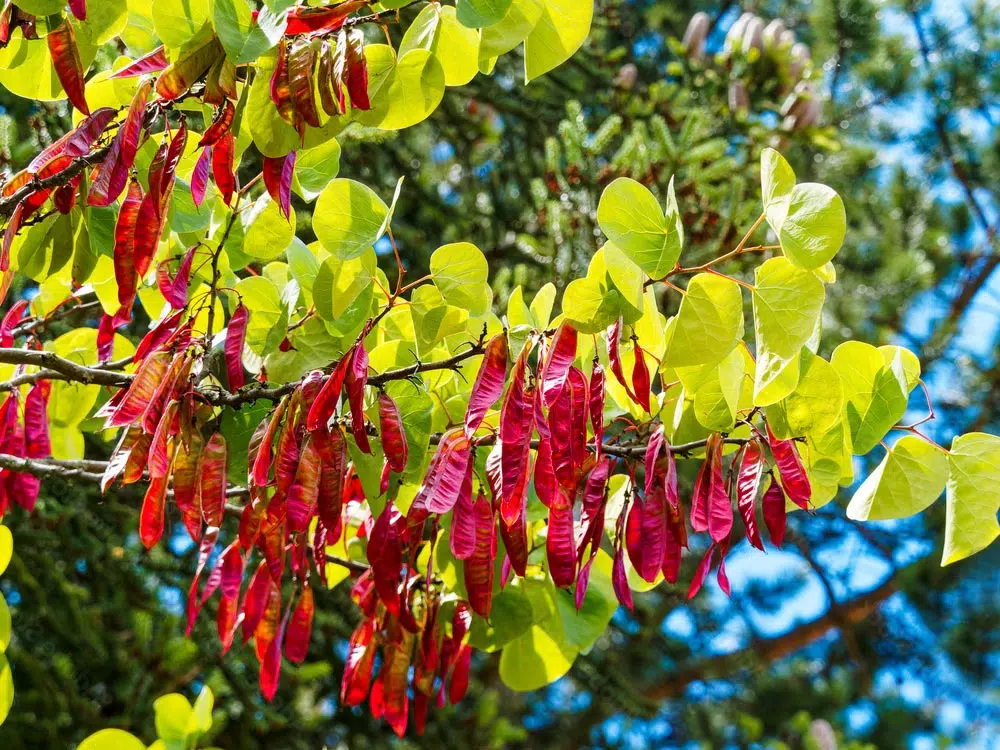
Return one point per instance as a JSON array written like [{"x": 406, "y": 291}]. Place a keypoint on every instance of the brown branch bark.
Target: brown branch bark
[{"x": 766, "y": 650}]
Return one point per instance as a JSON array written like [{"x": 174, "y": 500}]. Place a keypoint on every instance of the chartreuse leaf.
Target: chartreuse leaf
[
  {"x": 111, "y": 739},
  {"x": 267, "y": 233},
  {"x": 973, "y": 496},
  {"x": 584, "y": 626},
  {"x": 628, "y": 277},
  {"x": 6, "y": 548},
  {"x": 263, "y": 299},
  {"x": 349, "y": 218},
  {"x": 202, "y": 715},
  {"x": 6, "y": 688},
  {"x": 814, "y": 228},
  {"x": 455, "y": 45},
  {"x": 632, "y": 219},
  {"x": 433, "y": 318},
  {"x": 559, "y": 33},
  {"x": 477, "y": 14},
  {"x": 787, "y": 302},
  {"x": 912, "y": 475},
  {"x": 814, "y": 406},
  {"x": 777, "y": 181},
  {"x": 303, "y": 265},
  {"x": 5, "y": 625},
  {"x": 460, "y": 272},
  {"x": 315, "y": 168},
  {"x": 70, "y": 403},
  {"x": 537, "y": 658},
  {"x": 403, "y": 91},
  {"x": 709, "y": 323},
  {"x": 178, "y": 21},
  {"x": 909, "y": 361},
  {"x": 715, "y": 390},
  {"x": 243, "y": 37},
  {"x": 174, "y": 718},
  {"x": 541, "y": 305},
  {"x": 340, "y": 282},
  {"x": 875, "y": 393},
  {"x": 500, "y": 38}
]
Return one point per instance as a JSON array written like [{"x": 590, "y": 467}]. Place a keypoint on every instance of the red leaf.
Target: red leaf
[
  {"x": 393, "y": 437},
  {"x": 278, "y": 173},
  {"x": 223, "y": 165},
  {"x": 747, "y": 486},
  {"x": 792, "y": 472},
  {"x": 478, "y": 568},
  {"x": 213, "y": 470},
  {"x": 462, "y": 537},
  {"x": 773, "y": 509},
  {"x": 236, "y": 334},
  {"x": 152, "y": 62},
  {"x": 199, "y": 177},
  {"x": 489, "y": 383},
  {"x": 354, "y": 382},
  {"x": 701, "y": 572},
  {"x": 300, "y": 627},
  {"x": 151, "y": 516},
  {"x": 66, "y": 61}
]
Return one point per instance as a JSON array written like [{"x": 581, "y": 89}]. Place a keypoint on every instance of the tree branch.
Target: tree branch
[{"x": 55, "y": 367}]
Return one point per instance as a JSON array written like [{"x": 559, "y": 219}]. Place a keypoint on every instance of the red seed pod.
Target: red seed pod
[
  {"x": 720, "y": 506},
  {"x": 385, "y": 556},
  {"x": 199, "y": 177},
  {"x": 478, "y": 568},
  {"x": 177, "y": 292},
  {"x": 278, "y": 173},
  {"x": 78, "y": 8},
  {"x": 223, "y": 158},
  {"x": 66, "y": 62},
  {"x": 124, "y": 250},
  {"x": 261, "y": 467},
  {"x": 325, "y": 404},
  {"x": 446, "y": 473},
  {"x": 653, "y": 451},
  {"x": 270, "y": 667},
  {"x": 267, "y": 627},
  {"x": 151, "y": 62},
  {"x": 255, "y": 601},
  {"x": 790, "y": 469},
  {"x": 393, "y": 437},
  {"x": 301, "y": 83},
  {"x": 359, "y": 664},
  {"x": 619, "y": 580},
  {"x": 304, "y": 492},
  {"x": 747, "y": 486},
  {"x": 773, "y": 509},
  {"x": 213, "y": 471},
  {"x": 701, "y": 572},
  {"x": 646, "y": 535},
  {"x": 281, "y": 91},
  {"x": 185, "y": 483},
  {"x": 36, "y": 420},
  {"x": 489, "y": 383},
  {"x": 614, "y": 355},
  {"x": 140, "y": 392},
  {"x": 194, "y": 601},
  {"x": 220, "y": 125},
  {"x": 305, "y": 20},
  {"x": 560, "y": 358},
  {"x": 462, "y": 537},
  {"x": 300, "y": 627},
  {"x": 191, "y": 65},
  {"x": 357, "y": 69},
  {"x": 395, "y": 679},
  {"x": 160, "y": 447},
  {"x": 332, "y": 447},
  {"x": 151, "y": 515},
  {"x": 640, "y": 377},
  {"x": 10, "y": 321},
  {"x": 560, "y": 547},
  {"x": 459, "y": 683},
  {"x": 119, "y": 457},
  {"x": 236, "y": 334},
  {"x": 596, "y": 405},
  {"x": 517, "y": 421},
  {"x": 354, "y": 381}
]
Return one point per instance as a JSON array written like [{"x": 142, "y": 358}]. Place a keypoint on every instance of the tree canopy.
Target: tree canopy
[{"x": 486, "y": 464}]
